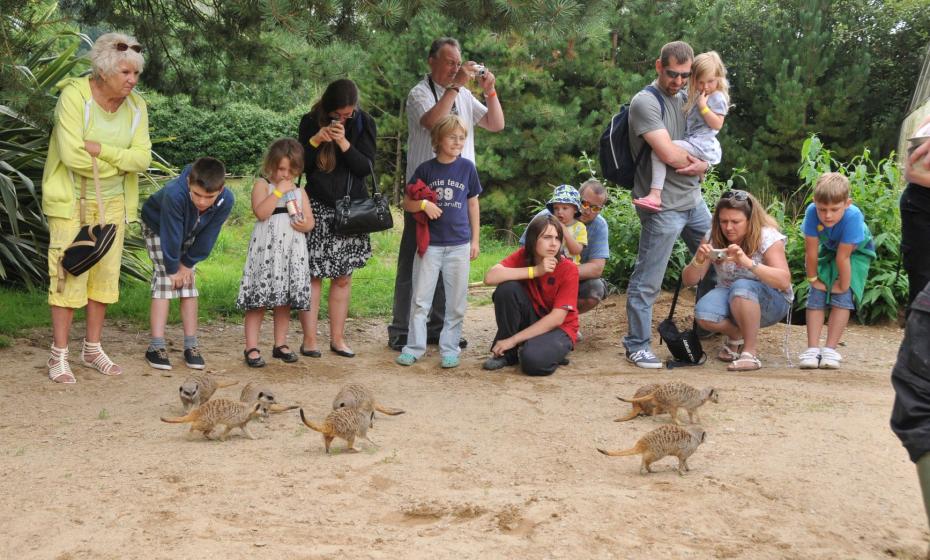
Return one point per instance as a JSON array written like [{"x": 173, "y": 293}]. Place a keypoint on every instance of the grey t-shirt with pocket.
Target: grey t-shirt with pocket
[{"x": 681, "y": 192}]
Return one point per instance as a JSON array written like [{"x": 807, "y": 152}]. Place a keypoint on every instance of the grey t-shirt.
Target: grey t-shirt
[{"x": 681, "y": 192}]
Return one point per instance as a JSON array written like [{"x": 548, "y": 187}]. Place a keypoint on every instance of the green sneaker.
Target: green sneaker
[
  {"x": 450, "y": 362},
  {"x": 406, "y": 359}
]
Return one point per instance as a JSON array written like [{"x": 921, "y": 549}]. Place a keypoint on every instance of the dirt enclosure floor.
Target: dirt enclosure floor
[{"x": 482, "y": 465}]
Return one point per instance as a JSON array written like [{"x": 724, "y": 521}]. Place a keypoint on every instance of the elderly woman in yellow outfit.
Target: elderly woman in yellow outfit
[{"x": 98, "y": 117}]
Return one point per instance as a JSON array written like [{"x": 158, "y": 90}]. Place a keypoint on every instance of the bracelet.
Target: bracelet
[
  {"x": 530, "y": 271},
  {"x": 423, "y": 204},
  {"x": 705, "y": 110},
  {"x": 754, "y": 266},
  {"x": 490, "y": 94},
  {"x": 312, "y": 143},
  {"x": 277, "y": 193},
  {"x": 698, "y": 262},
  {"x": 812, "y": 279}
]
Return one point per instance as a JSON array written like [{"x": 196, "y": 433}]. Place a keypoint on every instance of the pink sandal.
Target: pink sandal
[
  {"x": 647, "y": 205},
  {"x": 102, "y": 362}
]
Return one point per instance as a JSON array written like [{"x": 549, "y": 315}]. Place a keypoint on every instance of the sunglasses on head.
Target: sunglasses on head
[
  {"x": 122, "y": 47},
  {"x": 672, "y": 74},
  {"x": 736, "y": 196},
  {"x": 592, "y": 207}
]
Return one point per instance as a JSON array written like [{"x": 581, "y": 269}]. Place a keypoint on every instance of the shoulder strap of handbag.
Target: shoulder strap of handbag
[
  {"x": 371, "y": 174},
  {"x": 101, "y": 219},
  {"x": 671, "y": 312}
]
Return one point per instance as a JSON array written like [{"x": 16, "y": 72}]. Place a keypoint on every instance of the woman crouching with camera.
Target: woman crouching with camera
[{"x": 753, "y": 289}]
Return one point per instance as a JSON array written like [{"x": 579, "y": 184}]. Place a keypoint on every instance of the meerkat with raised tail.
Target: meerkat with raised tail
[
  {"x": 197, "y": 389},
  {"x": 362, "y": 398},
  {"x": 345, "y": 423},
  {"x": 662, "y": 442},
  {"x": 228, "y": 413},
  {"x": 675, "y": 395},
  {"x": 253, "y": 392},
  {"x": 647, "y": 408}
]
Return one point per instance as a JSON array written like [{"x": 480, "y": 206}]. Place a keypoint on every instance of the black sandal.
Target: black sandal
[
  {"x": 254, "y": 362},
  {"x": 287, "y": 357},
  {"x": 311, "y": 353}
]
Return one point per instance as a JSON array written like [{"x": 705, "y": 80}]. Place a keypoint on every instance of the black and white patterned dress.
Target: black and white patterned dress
[
  {"x": 333, "y": 255},
  {"x": 276, "y": 272}
]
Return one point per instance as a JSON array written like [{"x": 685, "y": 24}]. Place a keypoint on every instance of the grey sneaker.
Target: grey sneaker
[
  {"x": 158, "y": 358},
  {"x": 495, "y": 362},
  {"x": 644, "y": 359},
  {"x": 193, "y": 359}
]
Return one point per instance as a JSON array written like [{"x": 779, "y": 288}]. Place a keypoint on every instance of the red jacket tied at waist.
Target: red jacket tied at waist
[{"x": 420, "y": 191}]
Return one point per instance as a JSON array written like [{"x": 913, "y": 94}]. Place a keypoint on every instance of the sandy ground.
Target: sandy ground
[{"x": 482, "y": 465}]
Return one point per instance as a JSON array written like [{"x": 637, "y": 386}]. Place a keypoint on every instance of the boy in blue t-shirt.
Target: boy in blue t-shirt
[
  {"x": 838, "y": 250},
  {"x": 453, "y": 240}
]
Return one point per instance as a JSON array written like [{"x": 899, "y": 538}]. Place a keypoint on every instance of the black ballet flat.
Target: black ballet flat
[
  {"x": 286, "y": 357},
  {"x": 343, "y": 353},
  {"x": 254, "y": 362},
  {"x": 310, "y": 353}
]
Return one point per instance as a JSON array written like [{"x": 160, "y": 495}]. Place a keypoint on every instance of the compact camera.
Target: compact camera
[
  {"x": 333, "y": 122},
  {"x": 718, "y": 254},
  {"x": 480, "y": 70}
]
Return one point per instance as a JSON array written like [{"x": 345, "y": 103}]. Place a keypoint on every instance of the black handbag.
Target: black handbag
[
  {"x": 355, "y": 216},
  {"x": 685, "y": 346},
  {"x": 92, "y": 241}
]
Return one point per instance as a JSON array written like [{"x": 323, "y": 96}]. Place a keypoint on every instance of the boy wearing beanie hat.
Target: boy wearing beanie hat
[{"x": 565, "y": 205}]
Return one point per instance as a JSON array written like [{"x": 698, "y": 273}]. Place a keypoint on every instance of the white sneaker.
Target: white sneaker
[
  {"x": 809, "y": 359},
  {"x": 829, "y": 358}
]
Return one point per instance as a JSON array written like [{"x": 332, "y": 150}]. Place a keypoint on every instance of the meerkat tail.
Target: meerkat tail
[
  {"x": 629, "y": 416},
  {"x": 635, "y": 450},
  {"x": 276, "y": 408},
  {"x": 638, "y": 399},
  {"x": 221, "y": 383},
  {"x": 179, "y": 419},
  {"x": 389, "y": 411},
  {"x": 309, "y": 424}
]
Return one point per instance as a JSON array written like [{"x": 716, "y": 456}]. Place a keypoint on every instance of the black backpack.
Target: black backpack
[{"x": 614, "y": 152}]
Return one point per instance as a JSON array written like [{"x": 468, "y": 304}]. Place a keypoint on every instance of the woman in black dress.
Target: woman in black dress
[{"x": 339, "y": 152}]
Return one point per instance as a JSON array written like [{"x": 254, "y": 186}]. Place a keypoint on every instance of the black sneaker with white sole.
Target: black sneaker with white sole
[
  {"x": 158, "y": 358},
  {"x": 193, "y": 359}
]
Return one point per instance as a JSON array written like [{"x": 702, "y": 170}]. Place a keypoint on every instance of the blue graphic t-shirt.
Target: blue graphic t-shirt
[
  {"x": 851, "y": 228},
  {"x": 454, "y": 183}
]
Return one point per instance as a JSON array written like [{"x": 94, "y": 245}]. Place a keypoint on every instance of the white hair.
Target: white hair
[{"x": 105, "y": 58}]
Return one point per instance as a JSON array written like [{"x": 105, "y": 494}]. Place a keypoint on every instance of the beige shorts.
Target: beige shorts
[{"x": 100, "y": 283}]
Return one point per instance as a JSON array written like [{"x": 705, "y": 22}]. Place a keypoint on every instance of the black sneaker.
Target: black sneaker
[
  {"x": 158, "y": 358},
  {"x": 495, "y": 362},
  {"x": 192, "y": 358}
]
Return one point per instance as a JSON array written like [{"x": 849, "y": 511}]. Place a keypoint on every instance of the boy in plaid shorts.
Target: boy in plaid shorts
[{"x": 181, "y": 222}]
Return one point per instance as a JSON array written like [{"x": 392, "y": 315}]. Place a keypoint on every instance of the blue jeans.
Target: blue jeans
[
  {"x": 715, "y": 305},
  {"x": 453, "y": 263},
  {"x": 817, "y": 300},
  {"x": 658, "y": 233}
]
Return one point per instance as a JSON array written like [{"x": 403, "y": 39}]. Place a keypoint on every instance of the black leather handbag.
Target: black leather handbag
[
  {"x": 362, "y": 215},
  {"x": 92, "y": 241},
  {"x": 685, "y": 346}
]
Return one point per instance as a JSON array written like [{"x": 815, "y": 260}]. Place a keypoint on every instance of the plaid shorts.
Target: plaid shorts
[{"x": 161, "y": 283}]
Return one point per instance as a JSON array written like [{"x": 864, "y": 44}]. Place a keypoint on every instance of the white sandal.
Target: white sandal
[
  {"x": 726, "y": 353},
  {"x": 102, "y": 362},
  {"x": 61, "y": 368},
  {"x": 745, "y": 362}
]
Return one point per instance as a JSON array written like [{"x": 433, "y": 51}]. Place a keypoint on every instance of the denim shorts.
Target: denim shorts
[
  {"x": 817, "y": 300},
  {"x": 714, "y": 306}
]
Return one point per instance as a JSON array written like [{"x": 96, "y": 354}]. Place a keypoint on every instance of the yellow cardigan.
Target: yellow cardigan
[{"x": 67, "y": 159}]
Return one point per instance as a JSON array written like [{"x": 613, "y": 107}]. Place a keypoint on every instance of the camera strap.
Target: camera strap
[{"x": 432, "y": 88}]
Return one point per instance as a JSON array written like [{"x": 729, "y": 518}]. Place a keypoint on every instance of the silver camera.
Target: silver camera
[
  {"x": 480, "y": 70},
  {"x": 718, "y": 254}
]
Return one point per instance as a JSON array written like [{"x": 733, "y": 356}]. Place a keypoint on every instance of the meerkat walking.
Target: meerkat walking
[
  {"x": 225, "y": 412},
  {"x": 646, "y": 408},
  {"x": 675, "y": 395},
  {"x": 361, "y": 398},
  {"x": 662, "y": 442},
  {"x": 253, "y": 392},
  {"x": 197, "y": 389},
  {"x": 345, "y": 423}
]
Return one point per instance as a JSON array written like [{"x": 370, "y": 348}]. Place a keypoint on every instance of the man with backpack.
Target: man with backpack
[{"x": 655, "y": 120}]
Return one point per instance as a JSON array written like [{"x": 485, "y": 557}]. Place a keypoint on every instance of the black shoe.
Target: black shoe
[
  {"x": 286, "y": 357},
  {"x": 495, "y": 362},
  {"x": 463, "y": 344},
  {"x": 254, "y": 362},
  {"x": 398, "y": 342},
  {"x": 564, "y": 362},
  {"x": 343, "y": 353},
  {"x": 311, "y": 353},
  {"x": 158, "y": 358},
  {"x": 193, "y": 359}
]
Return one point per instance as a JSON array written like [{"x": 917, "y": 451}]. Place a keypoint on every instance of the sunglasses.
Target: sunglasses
[
  {"x": 592, "y": 207},
  {"x": 736, "y": 196},
  {"x": 672, "y": 74},
  {"x": 123, "y": 47}
]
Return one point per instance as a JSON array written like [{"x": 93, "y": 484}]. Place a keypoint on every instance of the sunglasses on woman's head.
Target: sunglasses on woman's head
[
  {"x": 122, "y": 47},
  {"x": 736, "y": 196}
]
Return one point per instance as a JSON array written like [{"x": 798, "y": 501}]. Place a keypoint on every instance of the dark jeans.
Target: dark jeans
[
  {"x": 514, "y": 311},
  {"x": 915, "y": 231},
  {"x": 910, "y": 417},
  {"x": 403, "y": 290}
]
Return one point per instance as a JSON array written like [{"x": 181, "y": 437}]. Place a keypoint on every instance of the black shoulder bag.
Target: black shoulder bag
[
  {"x": 355, "y": 216},
  {"x": 685, "y": 346}
]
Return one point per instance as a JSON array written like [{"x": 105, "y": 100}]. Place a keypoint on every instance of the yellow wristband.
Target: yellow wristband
[
  {"x": 277, "y": 193},
  {"x": 698, "y": 261},
  {"x": 312, "y": 143},
  {"x": 705, "y": 110},
  {"x": 812, "y": 279},
  {"x": 423, "y": 204},
  {"x": 529, "y": 269}
]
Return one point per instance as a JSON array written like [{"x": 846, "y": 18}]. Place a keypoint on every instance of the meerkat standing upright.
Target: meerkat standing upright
[
  {"x": 197, "y": 389},
  {"x": 675, "y": 395},
  {"x": 663, "y": 441},
  {"x": 645, "y": 408},
  {"x": 363, "y": 399},
  {"x": 345, "y": 423},
  {"x": 229, "y": 413}
]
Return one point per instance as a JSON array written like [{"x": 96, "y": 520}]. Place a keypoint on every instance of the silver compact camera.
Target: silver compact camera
[
  {"x": 480, "y": 70},
  {"x": 718, "y": 254}
]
